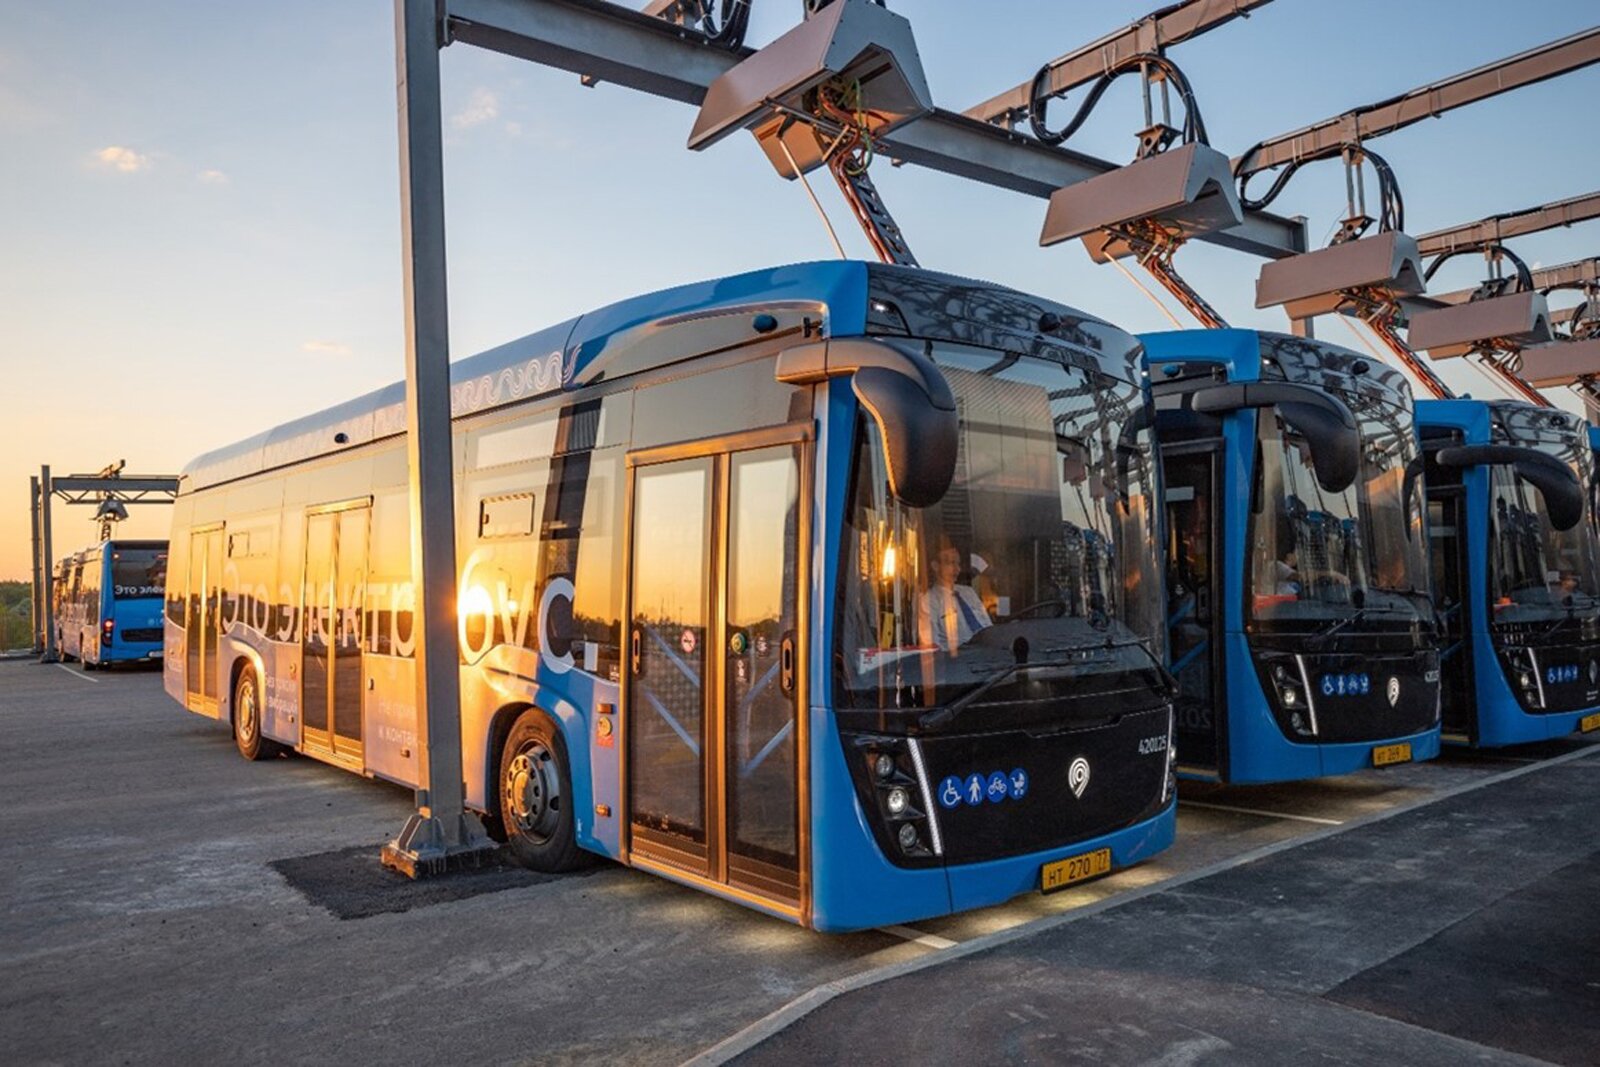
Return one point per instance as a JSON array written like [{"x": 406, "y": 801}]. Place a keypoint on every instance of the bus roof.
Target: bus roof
[{"x": 572, "y": 354}]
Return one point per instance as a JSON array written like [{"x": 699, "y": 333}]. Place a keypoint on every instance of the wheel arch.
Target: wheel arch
[{"x": 564, "y": 721}]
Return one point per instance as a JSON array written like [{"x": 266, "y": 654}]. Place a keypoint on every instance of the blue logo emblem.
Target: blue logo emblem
[
  {"x": 1019, "y": 784},
  {"x": 998, "y": 787},
  {"x": 973, "y": 789},
  {"x": 1327, "y": 685},
  {"x": 950, "y": 792}
]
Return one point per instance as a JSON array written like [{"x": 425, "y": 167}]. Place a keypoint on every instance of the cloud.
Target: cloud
[
  {"x": 326, "y": 348},
  {"x": 212, "y": 176},
  {"x": 482, "y": 106},
  {"x": 123, "y": 160}
]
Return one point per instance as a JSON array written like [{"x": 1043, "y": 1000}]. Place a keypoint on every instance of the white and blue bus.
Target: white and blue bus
[
  {"x": 108, "y": 603},
  {"x": 831, "y": 589},
  {"x": 1516, "y": 565}
]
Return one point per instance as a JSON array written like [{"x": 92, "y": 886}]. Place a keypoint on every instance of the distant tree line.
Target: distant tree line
[{"x": 16, "y": 622}]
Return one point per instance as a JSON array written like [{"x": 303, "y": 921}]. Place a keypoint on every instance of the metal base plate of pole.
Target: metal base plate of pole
[{"x": 430, "y": 845}]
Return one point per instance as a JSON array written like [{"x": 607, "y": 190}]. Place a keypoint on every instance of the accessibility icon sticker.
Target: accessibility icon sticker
[
  {"x": 950, "y": 792},
  {"x": 973, "y": 789},
  {"x": 999, "y": 787}
]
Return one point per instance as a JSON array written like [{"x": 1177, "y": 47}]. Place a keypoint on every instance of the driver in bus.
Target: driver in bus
[{"x": 953, "y": 611}]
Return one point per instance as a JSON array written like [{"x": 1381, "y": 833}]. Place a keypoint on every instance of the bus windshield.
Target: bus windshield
[
  {"x": 1035, "y": 577},
  {"x": 1317, "y": 555},
  {"x": 1539, "y": 572},
  {"x": 138, "y": 573}
]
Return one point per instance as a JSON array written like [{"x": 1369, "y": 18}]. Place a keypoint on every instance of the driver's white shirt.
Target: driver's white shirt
[{"x": 945, "y": 617}]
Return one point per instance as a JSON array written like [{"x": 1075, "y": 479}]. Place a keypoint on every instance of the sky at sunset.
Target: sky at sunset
[{"x": 199, "y": 227}]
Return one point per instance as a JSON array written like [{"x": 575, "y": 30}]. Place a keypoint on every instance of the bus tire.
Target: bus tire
[
  {"x": 535, "y": 794},
  {"x": 247, "y": 719}
]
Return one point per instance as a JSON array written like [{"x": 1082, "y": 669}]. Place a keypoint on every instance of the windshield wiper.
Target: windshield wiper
[
  {"x": 941, "y": 716},
  {"x": 1319, "y": 639}
]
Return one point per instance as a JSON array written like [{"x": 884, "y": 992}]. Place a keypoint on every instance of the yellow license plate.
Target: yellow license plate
[
  {"x": 1062, "y": 873},
  {"x": 1384, "y": 755},
  {"x": 1589, "y": 722}
]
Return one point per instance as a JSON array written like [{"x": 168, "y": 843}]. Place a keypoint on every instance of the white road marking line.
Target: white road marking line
[
  {"x": 926, "y": 940},
  {"x": 1261, "y": 811},
  {"x": 78, "y": 674}
]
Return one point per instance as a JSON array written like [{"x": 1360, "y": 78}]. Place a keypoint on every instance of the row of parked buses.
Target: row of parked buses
[{"x": 854, "y": 593}]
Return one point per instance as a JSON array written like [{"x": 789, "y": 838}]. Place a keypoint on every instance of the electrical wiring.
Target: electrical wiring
[
  {"x": 1194, "y": 127},
  {"x": 1392, "y": 206}
]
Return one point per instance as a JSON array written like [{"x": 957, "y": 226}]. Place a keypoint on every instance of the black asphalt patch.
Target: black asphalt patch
[
  {"x": 351, "y": 883},
  {"x": 1508, "y": 976}
]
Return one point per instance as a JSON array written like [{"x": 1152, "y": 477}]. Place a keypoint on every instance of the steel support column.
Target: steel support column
[
  {"x": 441, "y": 830},
  {"x": 46, "y": 565},
  {"x": 36, "y": 610}
]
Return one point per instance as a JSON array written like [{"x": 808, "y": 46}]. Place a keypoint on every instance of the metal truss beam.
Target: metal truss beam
[
  {"x": 132, "y": 488},
  {"x": 1498, "y": 228},
  {"x": 604, "y": 42},
  {"x": 1326, "y": 139},
  {"x": 1158, "y": 30}
]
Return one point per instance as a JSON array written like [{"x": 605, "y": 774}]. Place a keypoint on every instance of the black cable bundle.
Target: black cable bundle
[{"x": 1194, "y": 127}]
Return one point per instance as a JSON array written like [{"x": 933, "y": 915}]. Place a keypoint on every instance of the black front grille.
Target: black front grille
[
  {"x": 1365, "y": 713},
  {"x": 150, "y": 634},
  {"x": 1126, "y": 761}
]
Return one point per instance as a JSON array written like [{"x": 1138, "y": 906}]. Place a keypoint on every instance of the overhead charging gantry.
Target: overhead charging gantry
[
  {"x": 110, "y": 492},
  {"x": 1507, "y": 313},
  {"x": 1378, "y": 276}
]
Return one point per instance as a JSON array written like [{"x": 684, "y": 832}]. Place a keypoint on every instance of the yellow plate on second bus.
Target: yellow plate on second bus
[
  {"x": 1062, "y": 873},
  {"x": 1384, "y": 755},
  {"x": 1589, "y": 722}
]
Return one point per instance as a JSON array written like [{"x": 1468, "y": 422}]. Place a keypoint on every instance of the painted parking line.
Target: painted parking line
[
  {"x": 1262, "y": 812},
  {"x": 917, "y": 936},
  {"x": 77, "y": 674}
]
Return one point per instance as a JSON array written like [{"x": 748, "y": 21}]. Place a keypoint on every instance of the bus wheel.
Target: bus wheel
[
  {"x": 536, "y": 796},
  {"x": 247, "y": 719}
]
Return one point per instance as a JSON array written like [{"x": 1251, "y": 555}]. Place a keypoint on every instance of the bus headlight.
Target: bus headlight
[
  {"x": 908, "y": 837},
  {"x": 897, "y": 801},
  {"x": 884, "y": 767}
]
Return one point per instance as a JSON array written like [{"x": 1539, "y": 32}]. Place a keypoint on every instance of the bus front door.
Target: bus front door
[
  {"x": 1452, "y": 602},
  {"x": 330, "y": 632},
  {"x": 1193, "y": 608},
  {"x": 202, "y": 620},
  {"x": 715, "y": 745}
]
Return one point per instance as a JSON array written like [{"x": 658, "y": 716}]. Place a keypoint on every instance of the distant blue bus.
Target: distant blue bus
[
  {"x": 1301, "y": 630},
  {"x": 831, "y": 589},
  {"x": 1516, "y": 568},
  {"x": 108, "y": 603}
]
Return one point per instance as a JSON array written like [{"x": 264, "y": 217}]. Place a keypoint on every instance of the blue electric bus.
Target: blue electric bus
[
  {"x": 1516, "y": 568},
  {"x": 108, "y": 603},
  {"x": 831, "y": 589},
  {"x": 1301, "y": 631}
]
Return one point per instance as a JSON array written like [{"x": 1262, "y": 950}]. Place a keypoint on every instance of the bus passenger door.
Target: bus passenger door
[
  {"x": 1194, "y": 620},
  {"x": 1447, "y": 545},
  {"x": 713, "y": 730},
  {"x": 330, "y": 632},
  {"x": 202, "y": 621}
]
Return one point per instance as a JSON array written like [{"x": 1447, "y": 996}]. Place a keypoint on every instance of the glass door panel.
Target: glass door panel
[
  {"x": 668, "y": 630},
  {"x": 350, "y": 581},
  {"x": 1192, "y": 602},
  {"x": 761, "y": 670},
  {"x": 193, "y": 614},
  {"x": 316, "y": 627}
]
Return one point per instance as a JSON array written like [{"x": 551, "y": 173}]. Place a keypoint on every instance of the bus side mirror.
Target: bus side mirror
[
  {"x": 1323, "y": 418},
  {"x": 1563, "y": 495},
  {"x": 1408, "y": 485},
  {"x": 907, "y": 397}
]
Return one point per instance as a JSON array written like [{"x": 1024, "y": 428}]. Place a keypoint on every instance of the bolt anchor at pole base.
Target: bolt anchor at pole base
[{"x": 427, "y": 847}]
